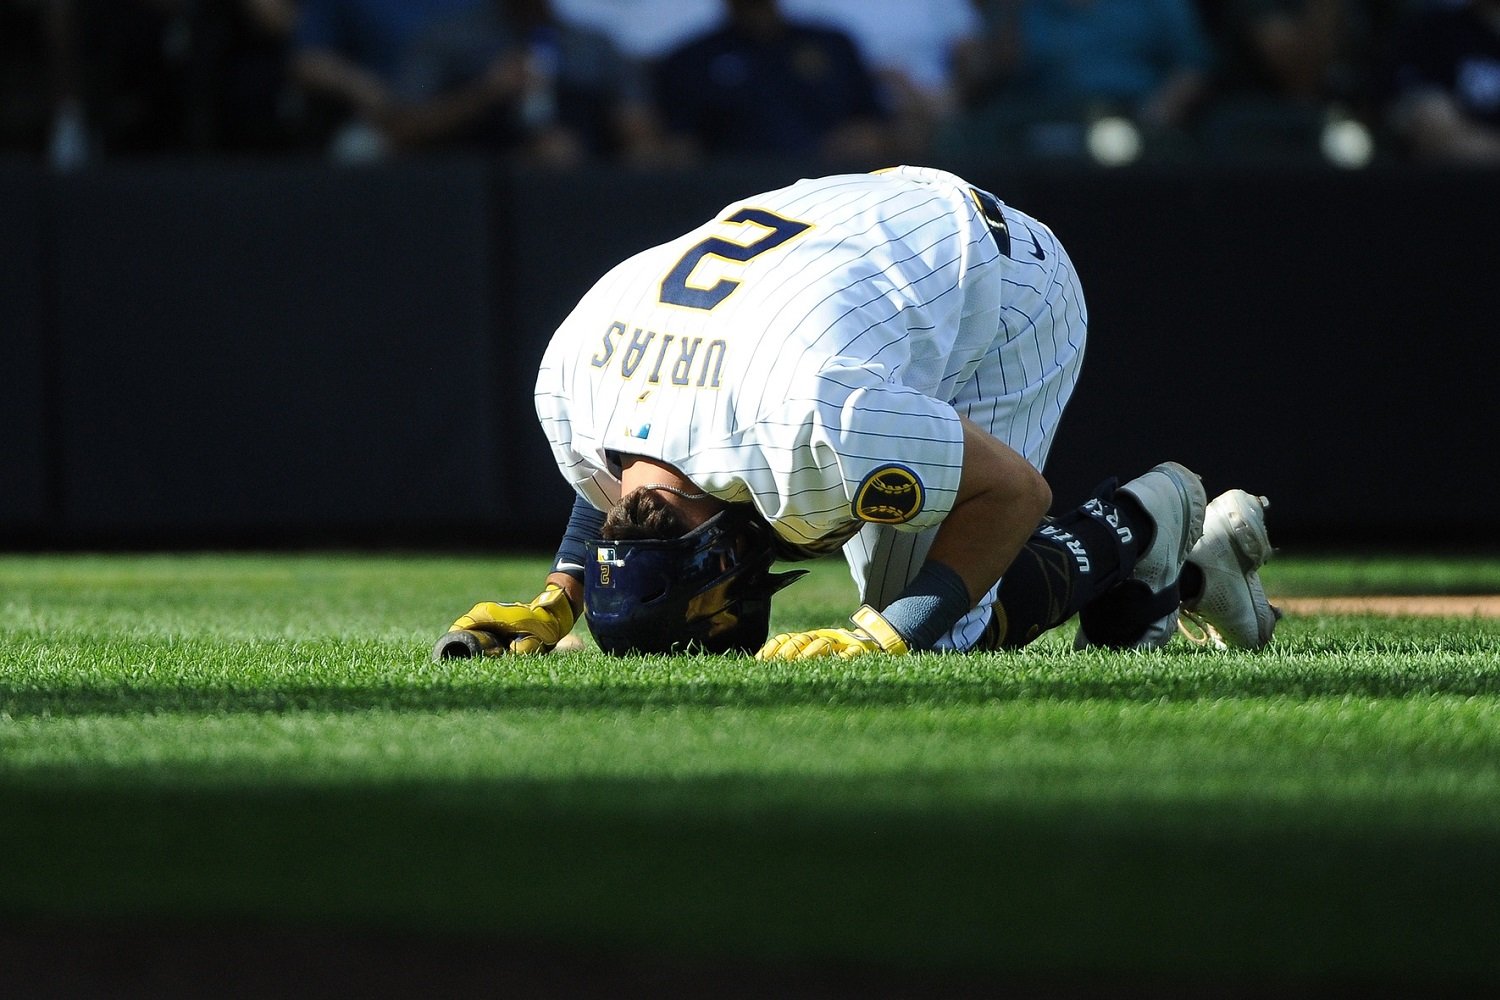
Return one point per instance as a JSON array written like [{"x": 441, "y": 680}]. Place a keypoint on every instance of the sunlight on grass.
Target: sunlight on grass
[{"x": 262, "y": 736}]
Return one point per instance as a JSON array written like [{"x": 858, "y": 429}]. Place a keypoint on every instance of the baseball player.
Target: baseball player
[{"x": 873, "y": 363}]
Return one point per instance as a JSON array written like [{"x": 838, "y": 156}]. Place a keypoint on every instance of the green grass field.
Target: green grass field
[{"x": 261, "y": 739}]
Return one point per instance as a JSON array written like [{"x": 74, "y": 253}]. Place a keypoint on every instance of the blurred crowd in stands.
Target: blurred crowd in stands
[{"x": 675, "y": 82}]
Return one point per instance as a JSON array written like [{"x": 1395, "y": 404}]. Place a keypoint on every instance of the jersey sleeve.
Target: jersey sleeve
[
  {"x": 862, "y": 452},
  {"x": 567, "y": 419}
]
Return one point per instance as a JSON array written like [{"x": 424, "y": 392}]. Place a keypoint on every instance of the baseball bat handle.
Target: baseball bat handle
[{"x": 462, "y": 644}]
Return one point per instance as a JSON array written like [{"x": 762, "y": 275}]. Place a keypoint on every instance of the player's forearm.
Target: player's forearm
[
  {"x": 274, "y": 17},
  {"x": 332, "y": 75},
  {"x": 1440, "y": 131},
  {"x": 1172, "y": 101},
  {"x": 418, "y": 124},
  {"x": 1001, "y": 500},
  {"x": 585, "y": 524}
]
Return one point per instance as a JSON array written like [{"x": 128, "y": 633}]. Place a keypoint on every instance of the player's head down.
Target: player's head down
[{"x": 707, "y": 589}]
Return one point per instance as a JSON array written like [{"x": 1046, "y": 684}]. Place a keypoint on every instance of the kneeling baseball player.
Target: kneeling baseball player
[{"x": 876, "y": 363}]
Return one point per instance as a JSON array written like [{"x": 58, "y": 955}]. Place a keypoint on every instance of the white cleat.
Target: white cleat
[
  {"x": 1232, "y": 611},
  {"x": 1174, "y": 498}
]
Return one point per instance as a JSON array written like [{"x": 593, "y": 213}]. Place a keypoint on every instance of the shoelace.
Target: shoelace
[{"x": 1207, "y": 635}]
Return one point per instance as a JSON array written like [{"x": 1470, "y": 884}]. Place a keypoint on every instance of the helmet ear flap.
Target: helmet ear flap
[
  {"x": 752, "y": 609},
  {"x": 779, "y": 581}
]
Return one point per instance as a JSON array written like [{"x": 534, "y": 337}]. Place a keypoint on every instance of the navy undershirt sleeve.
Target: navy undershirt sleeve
[{"x": 585, "y": 525}]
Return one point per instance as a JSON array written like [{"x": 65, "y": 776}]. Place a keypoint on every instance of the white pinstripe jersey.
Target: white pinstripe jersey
[{"x": 801, "y": 352}]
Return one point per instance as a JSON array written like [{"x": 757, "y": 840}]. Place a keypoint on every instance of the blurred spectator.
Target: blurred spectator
[
  {"x": 493, "y": 75},
  {"x": 366, "y": 66},
  {"x": 644, "y": 30},
  {"x": 248, "y": 44},
  {"x": 594, "y": 103},
  {"x": 25, "y": 101},
  {"x": 1292, "y": 73},
  {"x": 912, "y": 48},
  {"x": 639, "y": 33},
  {"x": 1446, "y": 105},
  {"x": 121, "y": 73},
  {"x": 103, "y": 78},
  {"x": 764, "y": 85},
  {"x": 1053, "y": 67}
]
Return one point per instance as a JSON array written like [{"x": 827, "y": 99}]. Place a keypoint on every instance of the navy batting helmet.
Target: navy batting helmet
[{"x": 709, "y": 589}]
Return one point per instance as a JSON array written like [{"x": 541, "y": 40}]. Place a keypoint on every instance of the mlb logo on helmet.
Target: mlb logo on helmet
[{"x": 605, "y": 562}]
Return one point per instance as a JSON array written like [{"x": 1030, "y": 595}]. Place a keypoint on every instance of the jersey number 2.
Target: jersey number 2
[{"x": 675, "y": 289}]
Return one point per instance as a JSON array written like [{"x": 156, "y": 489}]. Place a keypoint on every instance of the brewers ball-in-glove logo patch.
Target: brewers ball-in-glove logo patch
[{"x": 892, "y": 494}]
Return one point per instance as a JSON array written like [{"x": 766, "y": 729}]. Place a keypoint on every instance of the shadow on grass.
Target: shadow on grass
[
  {"x": 1070, "y": 893},
  {"x": 1211, "y": 681}
]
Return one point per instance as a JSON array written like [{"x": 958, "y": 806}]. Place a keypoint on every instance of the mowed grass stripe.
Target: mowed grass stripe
[
  {"x": 1385, "y": 765},
  {"x": 262, "y": 737}
]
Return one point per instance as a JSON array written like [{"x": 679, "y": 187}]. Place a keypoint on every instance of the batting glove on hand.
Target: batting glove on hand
[
  {"x": 872, "y": 634},
  {"x": 495, "y": 629}
]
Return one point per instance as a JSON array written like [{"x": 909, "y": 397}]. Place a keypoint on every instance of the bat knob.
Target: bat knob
[{"x": 463, "y": 644}]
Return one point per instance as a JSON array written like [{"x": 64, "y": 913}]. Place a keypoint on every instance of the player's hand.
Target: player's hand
[
  {"x": 871, "y": 634},
  {"x": 496, "y": 629}
]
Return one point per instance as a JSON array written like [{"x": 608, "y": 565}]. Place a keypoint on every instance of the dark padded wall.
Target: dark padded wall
[
  {"x": 286, "y": 353},
  {"x": 282, "y": 349},
  {"x": 1321, "y": 337},
  {"x": 25, "y": 449}
]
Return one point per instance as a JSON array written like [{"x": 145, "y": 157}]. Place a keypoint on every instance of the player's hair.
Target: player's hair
[{"x": 643, "y": 513}]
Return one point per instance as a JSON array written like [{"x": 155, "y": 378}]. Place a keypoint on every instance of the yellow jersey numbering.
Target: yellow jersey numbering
[
  {"x": 667, "y": 358},
  {"x": 892, "y": 494}
]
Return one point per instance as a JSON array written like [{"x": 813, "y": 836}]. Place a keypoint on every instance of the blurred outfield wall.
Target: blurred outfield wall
[{"x": 288, "y": 354}]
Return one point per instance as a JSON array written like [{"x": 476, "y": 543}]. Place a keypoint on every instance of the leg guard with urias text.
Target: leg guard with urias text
[{"x": 1067, "y": 563}]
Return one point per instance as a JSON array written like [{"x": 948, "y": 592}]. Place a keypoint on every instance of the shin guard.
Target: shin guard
[{"x": 1067, "y": 563}]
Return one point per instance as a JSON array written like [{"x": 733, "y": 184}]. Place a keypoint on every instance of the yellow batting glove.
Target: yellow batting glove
[
  {"x": 492, "y": 629},
  {"x": 871, "y": 634}
]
